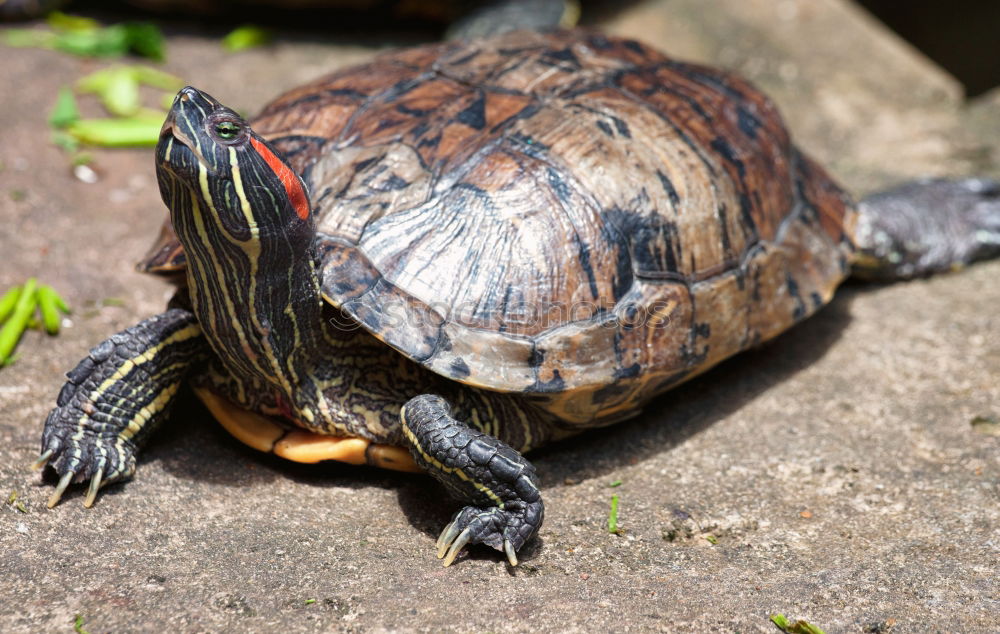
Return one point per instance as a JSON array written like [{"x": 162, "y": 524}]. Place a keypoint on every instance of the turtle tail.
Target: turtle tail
[{"x": 926, "y": 227}]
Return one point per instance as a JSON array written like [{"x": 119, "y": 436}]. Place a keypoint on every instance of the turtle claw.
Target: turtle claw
[
  {"x": 95, "y": 485},
  {"x": 42, "y": 460},
  {"x": 446, "y": 538},
  {"x": 456, "y": 546},
  {"x": 453, "y": 539},
  {"x": 508, "y": 550},
  {"x": 64, "y": 482},
  {"x": 95, "y": 458},
  {"x": 505, "y": 530},
  {"x": 113, "y": 398}
]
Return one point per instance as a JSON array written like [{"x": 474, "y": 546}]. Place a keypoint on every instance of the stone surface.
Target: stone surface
[{"x": 835, "y": 470}]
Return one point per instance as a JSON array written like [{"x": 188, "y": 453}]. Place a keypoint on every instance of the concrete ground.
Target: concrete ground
[{"x": 833, "y": 475}]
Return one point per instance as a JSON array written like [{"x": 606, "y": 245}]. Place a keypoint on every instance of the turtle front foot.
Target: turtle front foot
[
  {"x": 505, "y": 506},
  {"x": 77, "y": 452},
  {"x": 113, "y": 398}
]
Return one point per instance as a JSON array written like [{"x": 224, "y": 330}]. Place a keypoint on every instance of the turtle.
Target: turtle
[{"x": 459, "y": 252}]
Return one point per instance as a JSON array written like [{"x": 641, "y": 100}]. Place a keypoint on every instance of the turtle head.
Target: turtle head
[
  {"x": 242, "y": 215},
  {"x": 221, "y": 179}
]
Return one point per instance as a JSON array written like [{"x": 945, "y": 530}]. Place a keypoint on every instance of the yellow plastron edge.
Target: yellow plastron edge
[{"x": 299, "y": 445}]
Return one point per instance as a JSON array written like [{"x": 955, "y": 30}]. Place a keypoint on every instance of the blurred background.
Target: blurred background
[{"x": 960, "y": 35}]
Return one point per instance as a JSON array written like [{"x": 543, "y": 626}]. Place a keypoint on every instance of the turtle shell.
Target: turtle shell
[{"x": 567, "y": 215}]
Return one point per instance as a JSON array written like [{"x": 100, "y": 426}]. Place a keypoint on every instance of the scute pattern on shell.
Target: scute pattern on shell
[{"x": 568, "y": 215}]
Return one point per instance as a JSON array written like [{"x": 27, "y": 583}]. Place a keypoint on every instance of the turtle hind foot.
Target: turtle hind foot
[
  {"x": 927, "y": 226},
  {"x": 504, "y": 508},
  {"x": 494, "y": 527}
]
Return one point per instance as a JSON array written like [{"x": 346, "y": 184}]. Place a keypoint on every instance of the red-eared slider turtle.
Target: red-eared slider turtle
[{"x": 471, "y": 249}]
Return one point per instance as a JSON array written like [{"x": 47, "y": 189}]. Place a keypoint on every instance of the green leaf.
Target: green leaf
[
  {"x": 98, "y": 81},
  {"x": 65, "y": 111},
  {"x": 145, "y": 39},
  {"x": 118, "y": 88},
  {"x": 798, "y": 627},
  {"x": 86, "y": 38},
  {"x": 63, "y": 22},
  {"x": 158, "y": 79},
  {"x": 139, "y": 131},
  {"x": 310, "y": 601},
  {"x": 121, "y": 94},
  {"x": 244, "y": 37},
  {"x": 49, "y": 305},
  {"x": 616, "y": 483},
  {"x": 64, "y": 140},
  {"x": 613, "y": 516},
  {"x": 988, "y": 425},
  {"x": 108, "y": 42}
]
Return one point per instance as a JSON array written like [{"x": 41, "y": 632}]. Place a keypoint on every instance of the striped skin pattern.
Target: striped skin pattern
[
  {"x": 365, "y": 385},
  {"x": 116, "y": 396}
]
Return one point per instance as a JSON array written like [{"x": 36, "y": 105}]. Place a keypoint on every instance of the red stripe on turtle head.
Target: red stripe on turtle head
[{"x": 289, "y": 179}]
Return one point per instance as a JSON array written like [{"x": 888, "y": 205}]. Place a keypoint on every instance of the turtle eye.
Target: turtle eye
[{"x": 227, "y": 130}]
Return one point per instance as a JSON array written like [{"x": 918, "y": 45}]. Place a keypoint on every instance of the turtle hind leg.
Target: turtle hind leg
[
  {"x": 927, "y": 226},
  {"x": 504, "y": 504}
]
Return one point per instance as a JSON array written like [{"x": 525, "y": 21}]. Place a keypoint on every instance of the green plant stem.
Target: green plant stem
[
  {"x": 11, "y": 332},
  {"x": 8, "y": 302},
  {"x": 48, "y": 305}
]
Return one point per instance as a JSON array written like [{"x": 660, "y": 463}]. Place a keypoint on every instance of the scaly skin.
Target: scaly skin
[
  {"x": 115, "y": 397},
  {"x": 504, "y": 504}
]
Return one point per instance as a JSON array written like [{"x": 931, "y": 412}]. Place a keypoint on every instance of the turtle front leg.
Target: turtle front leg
[
  {"x": 114, "y": 397},
  {"x": 505, "y": 506}
]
